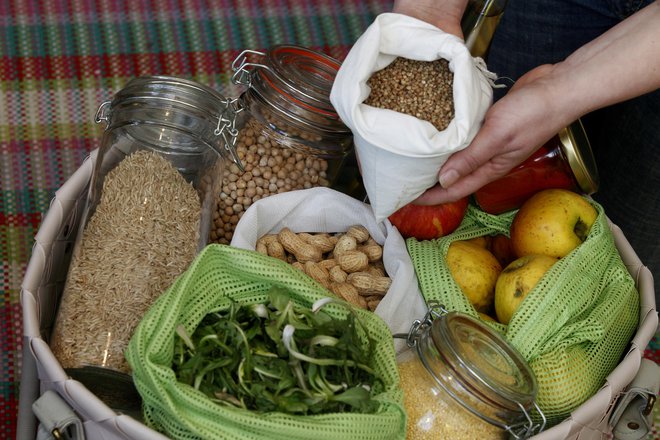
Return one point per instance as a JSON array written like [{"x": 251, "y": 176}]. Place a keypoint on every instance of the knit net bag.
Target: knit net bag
[
  {"x": 180, "y": 411},
  {"x": 572, "y": 328}
]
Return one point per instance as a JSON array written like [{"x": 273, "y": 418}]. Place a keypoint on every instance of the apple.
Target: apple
[
  {"x": 427, "y": 222},
  {"x": 516, "y": 280},
  {"x": 500, "y": 246},
  {"x": 552, "y": 222},
  {"x": 483, "y": 240},
  {"x": 486, "y": 317},
  {"x": 475, "y": 270}
]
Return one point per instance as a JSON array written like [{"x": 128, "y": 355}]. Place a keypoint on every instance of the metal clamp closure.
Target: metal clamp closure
[
  {"x": 418, "y": 326},
  {"x": 227, "y": 129},
  {"x": 243, "y": 69},
  {"x": 102, "y": 113}
]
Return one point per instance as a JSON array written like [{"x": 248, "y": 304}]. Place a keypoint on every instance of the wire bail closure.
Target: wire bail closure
[
  {"x": 436, "y": 310},
  {"x": 102, "y": 113},
  {"x": 227, "y": 129},
  {"x": 243, "y": 68},
  {"x": 523, "y": 430}
]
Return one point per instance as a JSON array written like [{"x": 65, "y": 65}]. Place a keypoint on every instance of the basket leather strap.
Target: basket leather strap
[
  {"x": 632, "y": 417},
  {"x": 58, "y": 421}
]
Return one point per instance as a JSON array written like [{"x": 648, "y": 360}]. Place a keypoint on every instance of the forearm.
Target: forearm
[
  {"x": 621, "y": 64},
  {"x": 444, "y": 14}
]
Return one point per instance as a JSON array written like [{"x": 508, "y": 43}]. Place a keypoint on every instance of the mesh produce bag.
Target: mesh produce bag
[
  {"x": 572, "y": 328},
  {"x": 220, "y": 273}
]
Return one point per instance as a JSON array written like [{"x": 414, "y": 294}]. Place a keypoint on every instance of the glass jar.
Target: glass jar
[
  {"x": 479, "y": 23},
  {"x": 287, "y": 134},
  {"x": 149, "y": 211},
  {"x": 461, "y": 380},
  {"x": 565, "y": 161}
]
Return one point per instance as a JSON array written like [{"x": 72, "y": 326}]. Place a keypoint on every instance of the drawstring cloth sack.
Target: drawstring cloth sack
[
  {"x": 326, "y": 210},
  {"x": 400, "y": 155},
  {"x": 217, "y": 274},
  {"x": 572, "y": 328}
]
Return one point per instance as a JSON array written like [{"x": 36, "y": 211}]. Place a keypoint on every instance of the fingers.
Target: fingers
[
  {"x": 485, "y": 159},
  {"x": 462, "y": 187}
]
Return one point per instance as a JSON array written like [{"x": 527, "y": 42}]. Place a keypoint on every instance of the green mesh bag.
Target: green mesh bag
[
  {"x": 572, "y": 327},
  {"x": 178, "y": 410}
]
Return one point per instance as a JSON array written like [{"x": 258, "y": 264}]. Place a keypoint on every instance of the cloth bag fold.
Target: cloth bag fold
[
  {"x": 399, "y": 154},
  {"x": 326, "y": 210}
]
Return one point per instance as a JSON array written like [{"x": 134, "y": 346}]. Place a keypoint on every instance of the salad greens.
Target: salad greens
[{"x": 279, "y": 356}]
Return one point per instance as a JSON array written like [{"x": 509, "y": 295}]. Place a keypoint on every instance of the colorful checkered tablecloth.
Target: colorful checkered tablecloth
[{"x": 60, "y": 59}]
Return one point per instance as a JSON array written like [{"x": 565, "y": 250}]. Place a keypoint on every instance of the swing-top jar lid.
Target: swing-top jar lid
[
  {"x": 172, "y": 102},
  {"x": 297, "y": 81},
  {"x": 484, "y": 362},
  {"x": 173, "y": 91}
]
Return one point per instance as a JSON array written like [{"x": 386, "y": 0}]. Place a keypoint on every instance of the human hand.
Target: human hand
[
  {"x": 445, "y": 15},
  {"x": 514, "y": 127}
]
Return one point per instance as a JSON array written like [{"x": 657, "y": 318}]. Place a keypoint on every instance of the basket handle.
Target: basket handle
[
  {"x": 58, "y": 421},
  {"x": 632, "y": 416}
]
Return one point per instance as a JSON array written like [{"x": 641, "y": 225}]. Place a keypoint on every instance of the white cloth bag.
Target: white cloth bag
[
  {"x": 326, "y": 210},
  {"x": 399, "y": 154}
]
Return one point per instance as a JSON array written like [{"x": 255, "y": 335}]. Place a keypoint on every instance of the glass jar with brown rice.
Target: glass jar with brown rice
[
  {"x": 148, "y": 212},
  {"x": 286, "y": 132},
  {"x": 462, "y": 381}
]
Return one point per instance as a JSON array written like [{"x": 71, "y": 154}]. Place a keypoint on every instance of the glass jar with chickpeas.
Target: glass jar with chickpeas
[
  {"x": 461, "y": 380},
  {"x": 284, "y": 130}
]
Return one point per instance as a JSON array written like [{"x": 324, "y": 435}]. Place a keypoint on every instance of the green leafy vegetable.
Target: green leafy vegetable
[{"x": 279, "y": 357}]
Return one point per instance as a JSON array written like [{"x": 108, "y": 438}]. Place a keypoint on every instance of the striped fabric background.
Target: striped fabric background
[{"x": 59, "y": 59}]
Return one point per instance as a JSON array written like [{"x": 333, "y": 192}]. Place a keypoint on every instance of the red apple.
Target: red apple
[
  {"x": 426, "y": 222},
  {"x": 500, "y": 246}
]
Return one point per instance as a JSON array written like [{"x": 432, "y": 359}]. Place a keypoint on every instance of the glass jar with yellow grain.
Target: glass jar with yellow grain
[{"x": 461, "y": 380}]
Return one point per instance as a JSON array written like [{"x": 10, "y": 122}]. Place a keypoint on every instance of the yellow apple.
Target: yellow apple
[
  {"x": 482, "y": 240},
  {"x": 485, "y": 317},
  {"x": 475, "y": 270},
  {"x": 516, "y": 281},
  {"x": 552, "y": 222}
]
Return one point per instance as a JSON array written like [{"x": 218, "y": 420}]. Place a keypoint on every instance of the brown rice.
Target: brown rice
[{"x": 142, "y": 235}]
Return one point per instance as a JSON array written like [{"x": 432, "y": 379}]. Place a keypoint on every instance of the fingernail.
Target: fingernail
[{"x": 448, "y": 178}]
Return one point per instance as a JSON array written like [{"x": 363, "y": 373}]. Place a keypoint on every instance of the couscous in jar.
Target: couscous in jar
[{"x": 462, "y": 381}]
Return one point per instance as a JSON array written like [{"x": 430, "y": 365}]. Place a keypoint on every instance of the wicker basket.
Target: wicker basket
[{"x": 44, "y": 282}]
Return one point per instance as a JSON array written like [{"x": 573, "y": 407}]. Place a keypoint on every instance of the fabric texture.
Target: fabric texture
[
  {"x": 327, "y": 210},
  {"x": 400, "y": 154}
]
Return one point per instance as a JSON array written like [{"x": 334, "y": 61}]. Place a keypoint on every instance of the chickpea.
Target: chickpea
[{"x": 270, "y": 168}]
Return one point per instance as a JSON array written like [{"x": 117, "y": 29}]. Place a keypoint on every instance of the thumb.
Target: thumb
[{"x": 461, "y": 164}]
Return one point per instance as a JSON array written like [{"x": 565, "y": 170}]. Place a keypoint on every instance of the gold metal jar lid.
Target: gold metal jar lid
[{"x": 577, "y": 149}]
